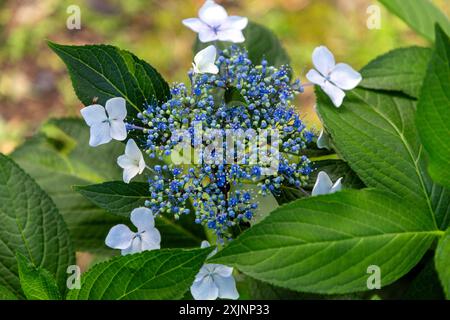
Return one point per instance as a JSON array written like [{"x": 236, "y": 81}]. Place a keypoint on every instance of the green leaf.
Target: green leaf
[
  {"x": 260, "y": 42},
  {"x": 37, "y": 283},
  {"x": 6, "y": 294},
  {"x": 433, "y": 111},
  {"x": 150, "y": 275},
  {"x": 60, "y": 157},
  {"x": 375, "y": 133},
  {"x": 325, "y": 244},
  {"x": 120, "y": 199},
  {"x": 442, "y": 260},
  {"x": 400, "y": 70},
  {"x": 30, "y": 224},
  {"x": 104, "y": 72},
  {"x": 421, "y": 15}
]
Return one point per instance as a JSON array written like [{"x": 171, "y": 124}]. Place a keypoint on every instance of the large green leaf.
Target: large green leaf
[
  {"x": 150, "y": 275},
  {"x": 37, "y": 283},
  {"x": 260, "y": 43},
  {"x": 433, "y": 111},
  {"x": 104, "y": 72},
  {"x": 120, "y": 199},
  {"x": 30, "y": 224},
  {"x": 325, "y": 244},
  {"x": 376, "y": 134},
  {"x": 59, "y": 158},
  {"x": 421, "y": 15},
  {"x": 443, "y": 262},
  {"x": 399, "y": 70}
]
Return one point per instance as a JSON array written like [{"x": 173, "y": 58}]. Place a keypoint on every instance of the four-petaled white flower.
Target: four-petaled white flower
[
  {"x": 214, "y": 281},
  {"x": 204, "y": 61},
  {"x": 146, "y": 238},
  {"x": 106, "y": 124},
  {"x": 324, "y": 185},
  {"x": 132, "y": 161},
  {"x": 331, "y": 77},
  {"x": 215, "y": 24}
]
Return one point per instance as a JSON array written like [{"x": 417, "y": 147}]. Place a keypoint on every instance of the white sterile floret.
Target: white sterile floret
[
  {"x": 324, "y": 185},
  {"x": 204, "y": 61},
  {"x": 106, "y": 123},
  {"x": 132, "y": 161},
  {"x": 331, "y": 77},
  {"x": 147, "y": 236}
]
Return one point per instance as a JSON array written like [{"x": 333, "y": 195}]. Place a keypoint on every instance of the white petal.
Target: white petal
[
  {"x": 135, "y": 247},
  {"x": 100, "y": 134},
  {"x": 118, "y": 130},
  {"x": 142, "y": 165},
  {"x": 132, "y": 150},
  {"x": 315, "y": 77},
  {"x": 212, "y": 14},
  {"x": 336, "y": 95},
  {"x": 323, "y": 60},
  {"x": 204, "y": 271},
  {"x": 222, "y": 270},
  {"x": 94, "y": 114},
  {"x": 227, "y": 287},
  {"x": 205, "y": 289},
  {"x": 151, "y": 239},
  {"x": 210, "y": 68},
  {"x": 143, "y": 219},
  {"x": 337, "y": 186},
  {"x": 323, "y": 184},
  {"x": 323, "y": 142},
  {"x": 119, "y": 237},
  {"x": 236, "y": 22},
  {"x": 129, "y": 173},
  {"x": 345, "y": 77},
  {"x": 195, "y": 24},
  {"x": 232, "y": 35},
  {"x": 207, "y": 35},
  {"x": 117, "y": 108},
  {"x": 125, "y": 162},
  {"x": 205, "y": 244},
  {"x": 205, "y": 59}
]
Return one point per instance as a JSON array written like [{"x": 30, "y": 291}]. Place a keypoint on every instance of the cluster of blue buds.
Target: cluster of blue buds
[{"x": 240, "y": 97}]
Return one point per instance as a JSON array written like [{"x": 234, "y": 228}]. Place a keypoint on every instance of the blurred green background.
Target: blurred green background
[{"x": 34, "y": 84}]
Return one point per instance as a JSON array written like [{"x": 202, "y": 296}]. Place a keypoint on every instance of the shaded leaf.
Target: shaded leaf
[{"x": 153, "y": 275}]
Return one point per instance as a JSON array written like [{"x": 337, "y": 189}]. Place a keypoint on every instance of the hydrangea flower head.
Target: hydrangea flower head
[{"x": 242, "y": 98}]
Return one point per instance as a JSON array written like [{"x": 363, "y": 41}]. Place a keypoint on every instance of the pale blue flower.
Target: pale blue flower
[
  {"x": 324, "y": 185},
  {"x": 147, "y": 236},
  {"x": 331, "y": 77},
  {"x": 215, "y": 24},
  {"x": 132, "y": 161},
  {"x": 214, "y": 281},
  {"x": 106, "y": 124}
]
